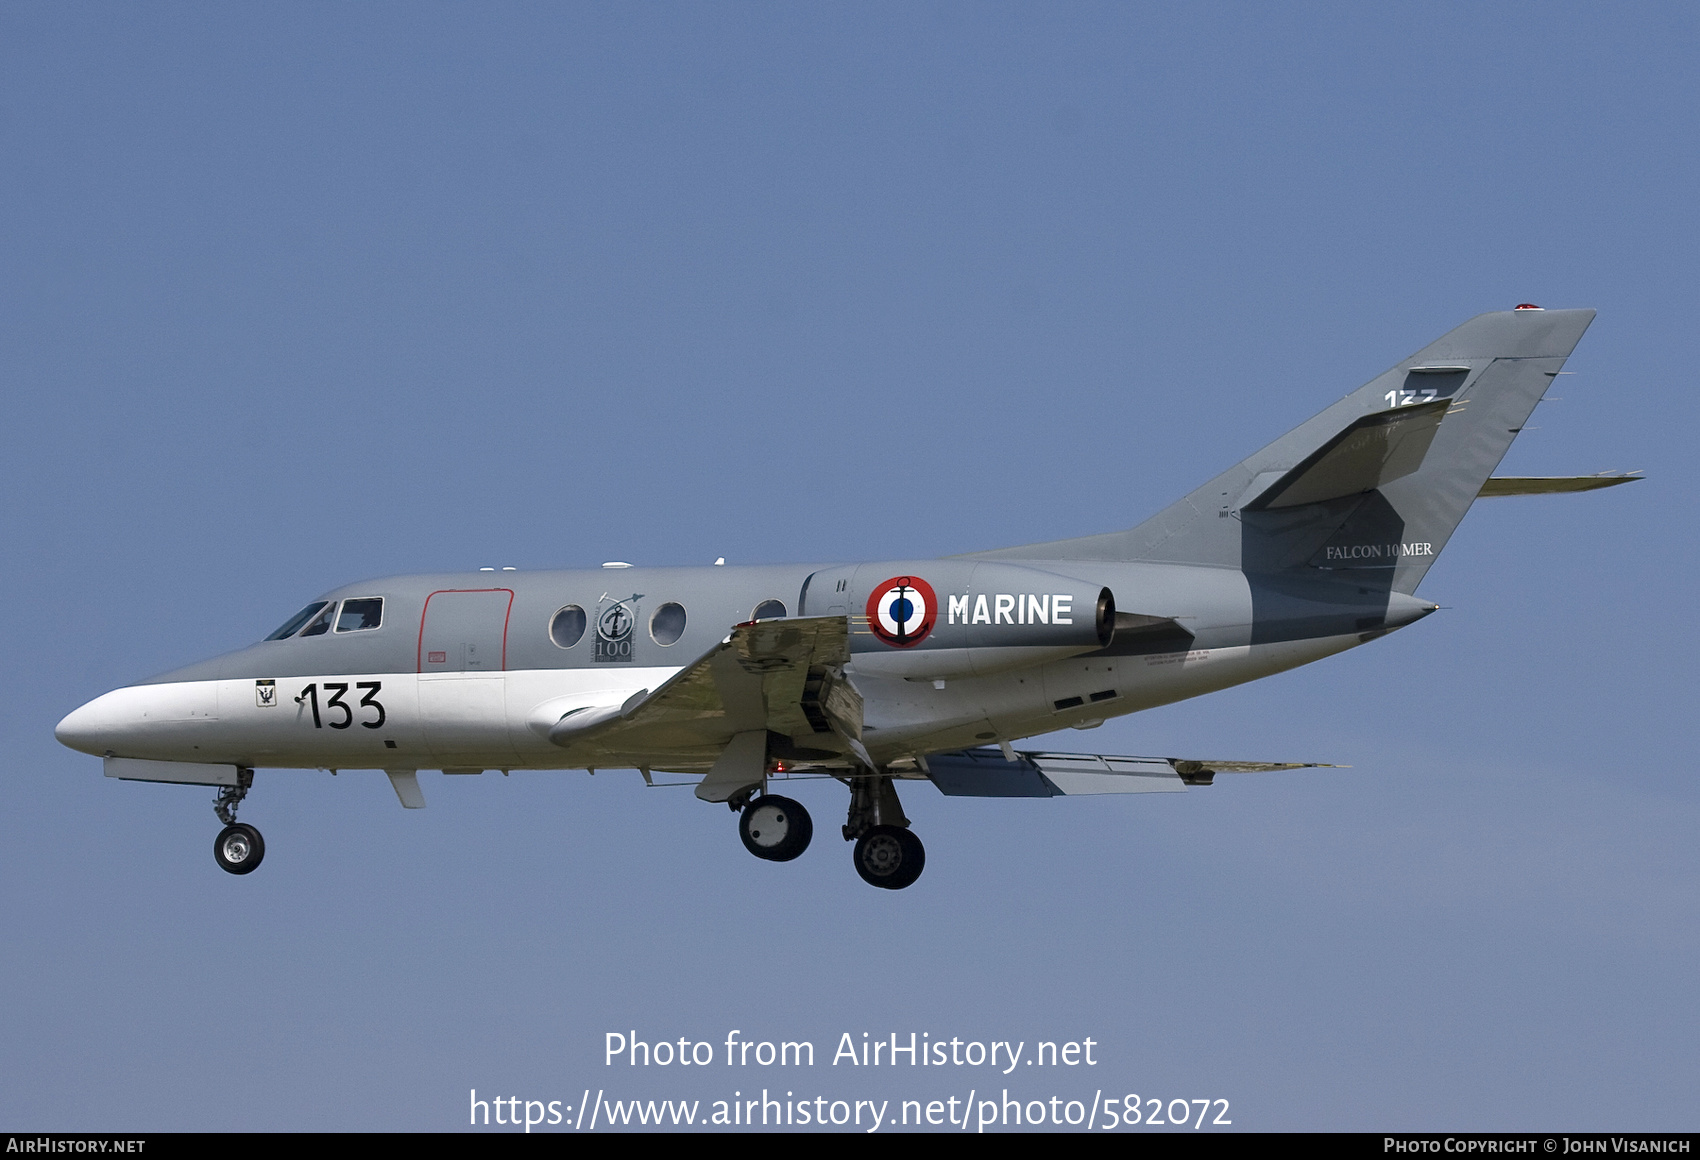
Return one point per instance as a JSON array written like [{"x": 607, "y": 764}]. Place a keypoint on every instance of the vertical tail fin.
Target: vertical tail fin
[{"x": 1379, "y": 480}]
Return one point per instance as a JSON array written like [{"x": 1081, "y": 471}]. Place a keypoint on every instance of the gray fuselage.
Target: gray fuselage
[{"x": 469, "y": 670}]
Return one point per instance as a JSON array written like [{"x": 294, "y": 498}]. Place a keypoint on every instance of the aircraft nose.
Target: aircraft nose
[
  {"x": 147, "y": 720},
  {"x": 79, "y": 729},
  {"x": 91, "y": 728}
]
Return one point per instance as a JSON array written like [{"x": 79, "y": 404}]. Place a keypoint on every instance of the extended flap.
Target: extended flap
[{"x": 988, "y": 772}]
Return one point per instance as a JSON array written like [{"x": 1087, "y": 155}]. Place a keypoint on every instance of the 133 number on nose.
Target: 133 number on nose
[{"x": 334, "y": 703}]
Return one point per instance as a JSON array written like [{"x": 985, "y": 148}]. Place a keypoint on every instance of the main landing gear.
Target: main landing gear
[
  {"x": 775, "y": 828},
  {"x": 238, "y": 849},
  {"x": 886, "y": 853},
  {"x": 889, "y": 857}
]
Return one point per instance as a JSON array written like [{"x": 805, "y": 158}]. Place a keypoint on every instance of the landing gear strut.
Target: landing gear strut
[
  {"x": 238, "y": 848},
  {"x": 887, "y": 854}
]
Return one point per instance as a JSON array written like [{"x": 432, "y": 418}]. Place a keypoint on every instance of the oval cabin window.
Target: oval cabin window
[
  {"x": 567, "y": 628},
  {"x": 668, "y": 623}
]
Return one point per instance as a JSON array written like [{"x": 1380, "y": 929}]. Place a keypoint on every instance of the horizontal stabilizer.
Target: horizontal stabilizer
[
  {"x": 987, "y": 773},
  {"x": 1373, "y": 450},
  {"x": 1552, "y": 484}
]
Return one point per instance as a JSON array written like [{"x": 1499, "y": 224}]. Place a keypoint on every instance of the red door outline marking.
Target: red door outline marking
[{"x": 419, "y": 650}]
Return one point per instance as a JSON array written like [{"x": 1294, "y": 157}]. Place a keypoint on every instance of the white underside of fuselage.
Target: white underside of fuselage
[{"x": 500, "y": 720}]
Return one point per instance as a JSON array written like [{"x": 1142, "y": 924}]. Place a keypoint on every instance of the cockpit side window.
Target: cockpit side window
[
  {"x": 321, "y": 623},
  {"x": 295, "y": 622},
  {"x": 365, "y": 612}
]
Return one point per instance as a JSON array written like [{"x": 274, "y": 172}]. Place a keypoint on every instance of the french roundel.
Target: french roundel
[{"x": 903, "y": 610}]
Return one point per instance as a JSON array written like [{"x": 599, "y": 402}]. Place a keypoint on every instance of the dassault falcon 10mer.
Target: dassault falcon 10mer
[{"x": 879, "y": 673}]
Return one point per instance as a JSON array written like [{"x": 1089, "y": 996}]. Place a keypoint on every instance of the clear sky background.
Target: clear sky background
[{"x": 299, "y": 295}]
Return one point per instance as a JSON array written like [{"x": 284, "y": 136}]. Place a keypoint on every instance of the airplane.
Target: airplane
[{"x": 875, "y": 673}]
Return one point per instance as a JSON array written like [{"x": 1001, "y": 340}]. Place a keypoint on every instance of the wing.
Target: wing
[
  {"x": 779, "y": 676},
  {"x": 988, "y": 773}
]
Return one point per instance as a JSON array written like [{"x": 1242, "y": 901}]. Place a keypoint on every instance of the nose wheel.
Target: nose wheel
[
  {"x": 775, "y": 828},
  {"x": 239, "y": 848}
]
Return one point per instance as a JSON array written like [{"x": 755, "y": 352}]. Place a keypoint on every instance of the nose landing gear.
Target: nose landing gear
[{"x": 238, "y": 849}]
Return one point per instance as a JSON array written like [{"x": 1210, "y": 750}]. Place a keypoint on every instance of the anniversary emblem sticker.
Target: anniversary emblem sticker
[{"x": 614, "y": 623}]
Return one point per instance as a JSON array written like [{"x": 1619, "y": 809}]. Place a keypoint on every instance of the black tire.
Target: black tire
[
  {"x": 239, "y": 849},
  {"x": 889, "y": 857},
  {"x": 775, "y": 828}
]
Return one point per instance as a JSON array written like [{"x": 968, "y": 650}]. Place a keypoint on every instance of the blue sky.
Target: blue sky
[{"x": 297, "y": 296}]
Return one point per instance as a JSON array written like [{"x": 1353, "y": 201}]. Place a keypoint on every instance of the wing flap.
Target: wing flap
[
  {"x": 986, "y": 772},
  {"x": 1088, "y": 773}
]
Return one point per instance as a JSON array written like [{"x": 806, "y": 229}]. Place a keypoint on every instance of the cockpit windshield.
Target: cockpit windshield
[
  {"x": 294, "y": 623},
  {"x": 353, "y": 615},
  {"x": 321, "y": 623}
]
